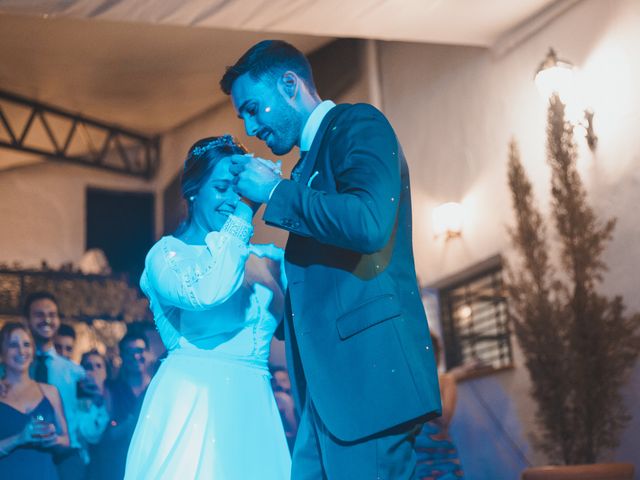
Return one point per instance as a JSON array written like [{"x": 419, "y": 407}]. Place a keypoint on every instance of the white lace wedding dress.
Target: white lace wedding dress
[{"x": 209, "y": 412}]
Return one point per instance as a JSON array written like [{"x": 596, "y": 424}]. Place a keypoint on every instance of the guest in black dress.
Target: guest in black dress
[{"x": 32, "y": 424}]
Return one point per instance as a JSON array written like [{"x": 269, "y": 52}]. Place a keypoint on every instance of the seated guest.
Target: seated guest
[
  {"x": 65, "y": 341},
  {"x": 437, "y": 456},
  {"x": 93, "y": 416},
  {"x": 124, "y": 398},
  {"x": 32, "y": 423}
]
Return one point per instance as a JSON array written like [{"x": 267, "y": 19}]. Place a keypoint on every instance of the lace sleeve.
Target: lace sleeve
[{"x": 196, "y": 277}]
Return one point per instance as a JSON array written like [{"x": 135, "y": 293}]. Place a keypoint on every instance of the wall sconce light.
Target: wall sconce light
[
  {"x": 447, "y": 220},
  {"x": 556, "y": 76},
  {"x": 464, "y": 315}
]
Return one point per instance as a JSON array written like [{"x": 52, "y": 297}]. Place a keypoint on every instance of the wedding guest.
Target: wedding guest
[
  {"x": 32, "y": 422},
  {"x": 124, "y": 399},
  {"x": 280, "y": 380},
  {"x": 93, "y": 415},
  {"x": 281, "y": 385},
  {"x": 65, "y": 341},
  {"x": 156, "y": 352},
  {"x": 43, "y": 317},
  {"x": 437, "y": 456}
]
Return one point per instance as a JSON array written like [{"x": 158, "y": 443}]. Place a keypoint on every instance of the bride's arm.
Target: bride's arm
[
  {"x": 276, "y": 255},
  {"x": 197, "y": 281}
]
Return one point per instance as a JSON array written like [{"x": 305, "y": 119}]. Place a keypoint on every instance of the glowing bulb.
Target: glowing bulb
[
  {"x": 464, "y": 315},
  {"x": 447, "y": 220},
  {"x": 555, "y": 76}
]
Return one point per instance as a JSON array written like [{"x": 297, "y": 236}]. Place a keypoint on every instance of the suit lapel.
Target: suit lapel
[{"x": 310, "y": 159}]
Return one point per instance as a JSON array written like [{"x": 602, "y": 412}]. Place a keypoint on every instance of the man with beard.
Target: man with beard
[
  {"x": 358, "y": 346},
  {"x": 43, "y": 319}
]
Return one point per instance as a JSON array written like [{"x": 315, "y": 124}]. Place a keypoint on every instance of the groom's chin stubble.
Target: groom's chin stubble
[{"x": 276, "y": 150}]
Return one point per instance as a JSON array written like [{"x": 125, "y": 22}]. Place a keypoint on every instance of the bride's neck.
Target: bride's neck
[{"x": 194, "y": 234}]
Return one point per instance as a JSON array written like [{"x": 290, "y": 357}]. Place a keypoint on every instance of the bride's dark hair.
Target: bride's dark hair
[{"x": 201, "y": 159}]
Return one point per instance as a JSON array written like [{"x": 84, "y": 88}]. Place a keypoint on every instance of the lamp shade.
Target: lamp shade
[{"x": 554, "y": 76}]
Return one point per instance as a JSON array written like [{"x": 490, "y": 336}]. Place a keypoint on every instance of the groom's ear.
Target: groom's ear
[{"x": 288, "y": 84}]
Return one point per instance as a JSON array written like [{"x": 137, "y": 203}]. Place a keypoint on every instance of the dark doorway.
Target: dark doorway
[
  {"x": 122, "y": 225},
  {"x": 175, "y": 208}
]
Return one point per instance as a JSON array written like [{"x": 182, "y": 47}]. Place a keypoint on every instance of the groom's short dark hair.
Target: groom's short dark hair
[{"x": 269, "y": 57}]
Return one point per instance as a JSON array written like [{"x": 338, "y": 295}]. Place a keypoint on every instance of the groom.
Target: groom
[{"x": 358, "y": 345}]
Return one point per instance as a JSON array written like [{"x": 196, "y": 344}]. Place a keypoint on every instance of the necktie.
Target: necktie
[
  {"x": 297, "y": 170},
  {"x": 41, "y": 371}
]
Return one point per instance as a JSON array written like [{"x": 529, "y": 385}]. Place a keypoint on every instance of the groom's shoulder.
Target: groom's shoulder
[
  {"x": 353, "y": 109},
  {"x": 352, "y": 114}
]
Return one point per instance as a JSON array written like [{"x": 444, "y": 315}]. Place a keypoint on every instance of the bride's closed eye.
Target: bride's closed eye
[{"x": 222, "y": 186}]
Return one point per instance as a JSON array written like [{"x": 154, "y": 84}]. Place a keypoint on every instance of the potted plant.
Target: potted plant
[{"x": 579, "y": 346}]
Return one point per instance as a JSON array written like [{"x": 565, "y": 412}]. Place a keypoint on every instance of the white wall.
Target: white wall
[
  {"x": 43, "y": 211},
  {"x": 455, "y": 110}
]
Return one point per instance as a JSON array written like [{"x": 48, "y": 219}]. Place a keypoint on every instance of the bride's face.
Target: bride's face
[{"x": 216, "y": 199}]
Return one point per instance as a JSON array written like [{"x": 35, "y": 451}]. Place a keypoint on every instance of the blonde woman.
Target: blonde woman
[{"x": 32, "y": 423}]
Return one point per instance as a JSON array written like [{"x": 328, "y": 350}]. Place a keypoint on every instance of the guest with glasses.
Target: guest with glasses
[
  {"x": 124, "y": 397},
  {"x": 65, "y": 341}
]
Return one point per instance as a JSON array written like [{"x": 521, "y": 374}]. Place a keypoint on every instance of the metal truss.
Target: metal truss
[{"x": 37, "y": 128}]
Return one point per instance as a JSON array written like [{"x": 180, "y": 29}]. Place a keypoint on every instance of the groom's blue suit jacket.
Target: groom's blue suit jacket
[{"x": 357, "y": 336}]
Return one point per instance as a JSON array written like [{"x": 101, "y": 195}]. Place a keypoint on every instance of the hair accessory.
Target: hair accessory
[
  {"x": 192, "y": 198},
  {"x": 223, "y": 140}
]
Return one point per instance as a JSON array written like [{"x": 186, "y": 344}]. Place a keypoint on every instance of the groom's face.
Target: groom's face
[{"x": 268, "y": 113}]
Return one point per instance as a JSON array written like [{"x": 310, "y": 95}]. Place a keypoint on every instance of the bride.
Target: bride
[{"x": 209, "y": 412}]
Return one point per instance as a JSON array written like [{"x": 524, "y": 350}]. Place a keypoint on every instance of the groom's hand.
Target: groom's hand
[{"x": 255, "y": 177}]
